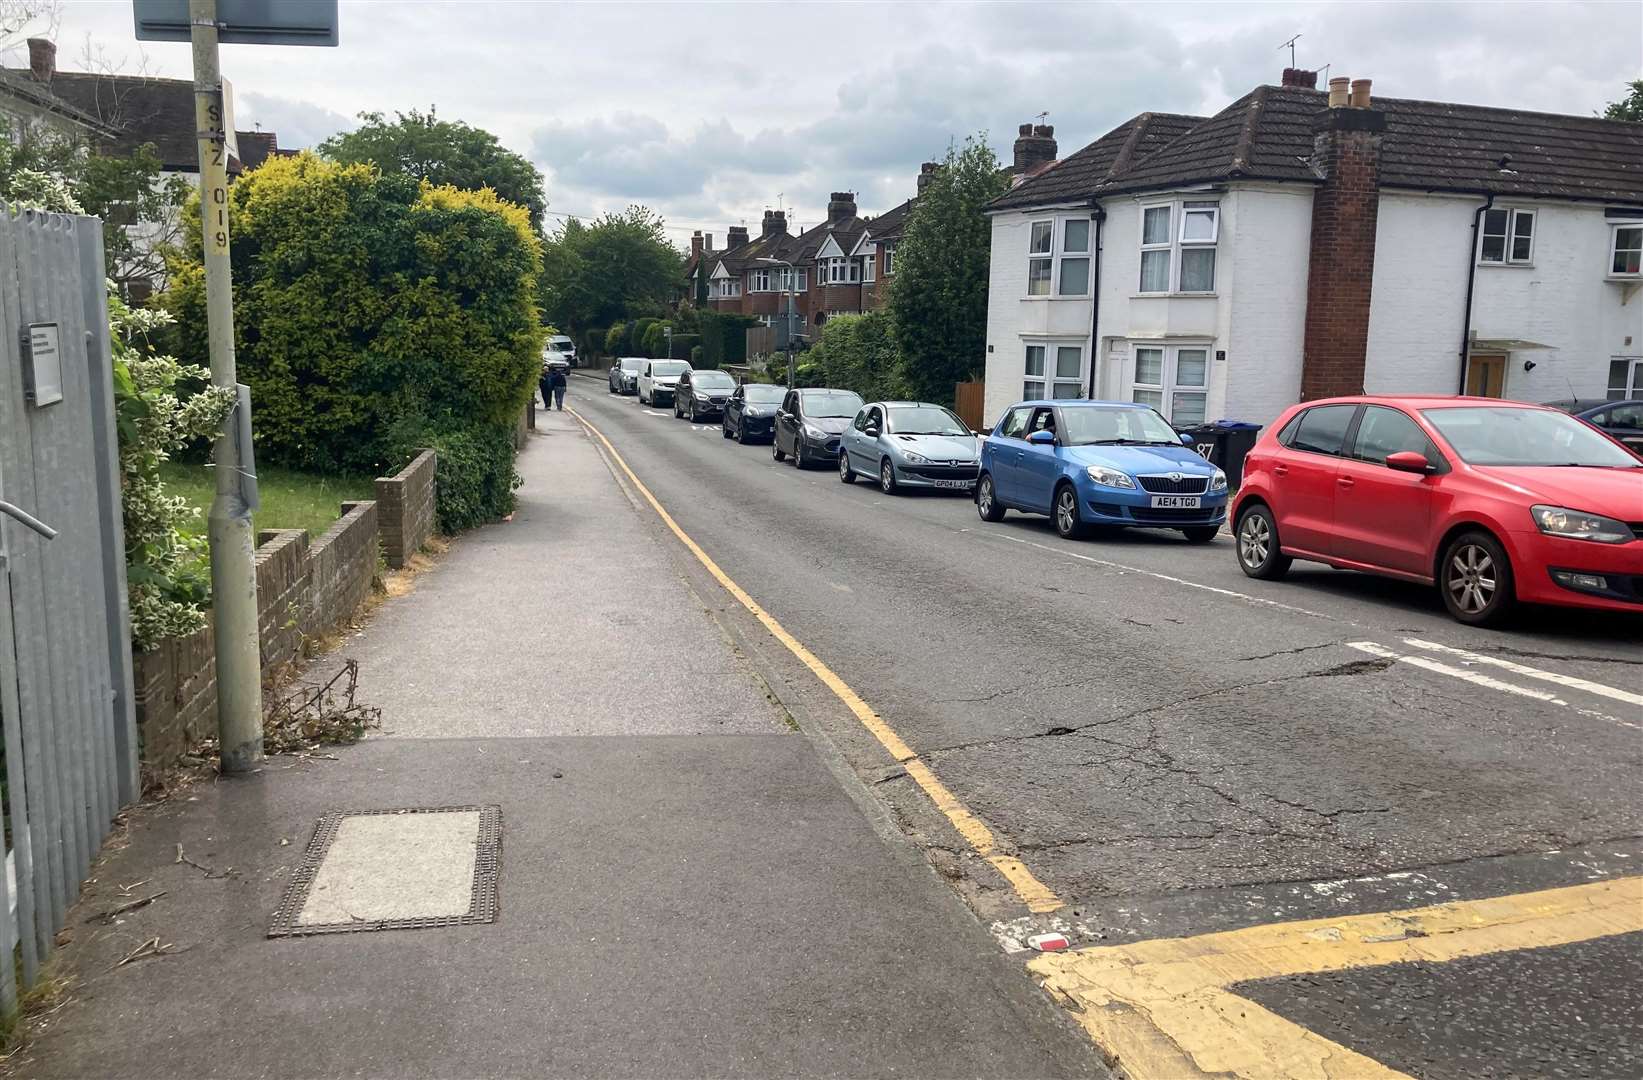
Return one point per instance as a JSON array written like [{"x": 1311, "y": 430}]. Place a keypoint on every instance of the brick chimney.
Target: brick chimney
[
  {"x": 707, "y": 241},
  {"x": 1307, "y": 80},
  {"x": 696, "y": 243},
  {"x": 926, "y": 173},
  {"x": 1034, "y": 146},
  {"x": 775, "y": 223},
  {"x": 42, "y": 59},
  {"x": 841, "y": 206},
  {"x": 736, "y": 237},
  {"x": 1346, "y": 153}
]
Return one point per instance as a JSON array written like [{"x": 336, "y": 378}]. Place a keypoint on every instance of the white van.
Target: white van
[{"x": 560, "y": 348}]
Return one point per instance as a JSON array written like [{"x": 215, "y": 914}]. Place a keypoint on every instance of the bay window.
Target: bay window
[
  {"x": 1626, "y": 251},
  {"x": 1058, "y": 257},
  {"x": 1179, "y": 259},
  {"x": 1057, "y": 369},
  {"x": 1172, "y": 379},
  {"x": 1508, "y": 236},
  {"x": 758, "y": 281},
  {"x": 841, "y": 271}
]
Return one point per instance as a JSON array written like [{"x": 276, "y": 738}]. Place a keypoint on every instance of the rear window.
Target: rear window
[{"x": 1323, "y": 430}]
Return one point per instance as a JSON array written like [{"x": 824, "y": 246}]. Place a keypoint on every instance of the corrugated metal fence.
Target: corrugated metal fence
[{"x": 70, "y": 753}]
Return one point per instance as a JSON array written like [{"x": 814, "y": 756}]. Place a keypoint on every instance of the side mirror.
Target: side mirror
[
  {"x": 1042, "y": 438},
  {"x": 870, "y": 431},
  {"x": 1408, "y": 461},
  {"x": 1187, "y": 439}
]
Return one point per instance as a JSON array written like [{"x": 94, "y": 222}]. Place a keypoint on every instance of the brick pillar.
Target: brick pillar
[{"x": 1346, "y": 150}]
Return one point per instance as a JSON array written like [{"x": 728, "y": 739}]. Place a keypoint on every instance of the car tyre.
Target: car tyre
[
  {"x": 1069, "y": 520},
  {"x": 1259, "y": 552},
  {"x": 724, "y": 428},
  {"x": 987, "y": 504},
  {"x": 846, "y": 474},
  {"x": 887, "y": 478},
  {"x": 741, "y": 433},
  {"x": 776, "y": 449},
  {"x": 798, "y": 453},
  {"x": 1475, "y": 579},
  {"x": 1201, "y": 534}
]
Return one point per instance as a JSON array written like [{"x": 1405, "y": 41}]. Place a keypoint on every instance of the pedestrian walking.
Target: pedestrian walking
[
  {"x": 557, "y": 383},
  {"x": 545, "y": 384}
]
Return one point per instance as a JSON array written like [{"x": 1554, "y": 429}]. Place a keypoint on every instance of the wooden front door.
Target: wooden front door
[{"x": 1486, "y": 375}]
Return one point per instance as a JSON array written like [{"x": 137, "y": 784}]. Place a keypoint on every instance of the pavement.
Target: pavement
[
  {"x": 1174, "y": 751},
  {"x": 693, "y": 881}
]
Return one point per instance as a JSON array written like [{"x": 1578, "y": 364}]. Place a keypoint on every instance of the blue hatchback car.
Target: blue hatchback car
[{"x": 1098, "y": 463}]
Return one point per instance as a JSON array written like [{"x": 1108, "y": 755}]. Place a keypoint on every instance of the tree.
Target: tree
[
  {"x": 446, "y": 153},
  {"x": 617, "y": 267},
  {"x": 1630, "y": 107},
  {"x": 856, "y": 352},
  {"x": 938, "y": 296}
]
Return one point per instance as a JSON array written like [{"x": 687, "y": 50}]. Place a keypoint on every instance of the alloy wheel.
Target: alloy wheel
[
  {"x": 1254, "y": 540},
  {"x": 1066, "y": 511},
  {"x": 984, "y": 498},
  {"x": 887, "y": 477},
  {"x": 1472, "y": 578}
]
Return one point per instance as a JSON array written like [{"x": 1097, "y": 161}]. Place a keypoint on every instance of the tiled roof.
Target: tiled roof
[
  {"x": 1427, "y": 145},
  {"x": 888, "y": 225},
  {"x": 18, "y": 83},
  {"x": 1077, "y": 175},
  {"x": 141, "y": 110}
]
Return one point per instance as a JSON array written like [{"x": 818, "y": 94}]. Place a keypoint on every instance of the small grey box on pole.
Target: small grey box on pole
[{"x": 233, "y": 565}]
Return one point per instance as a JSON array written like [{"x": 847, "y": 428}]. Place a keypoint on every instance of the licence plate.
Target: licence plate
[
  {"x": 1177, "y": 502},
  {"x": 954, "y": 483}
]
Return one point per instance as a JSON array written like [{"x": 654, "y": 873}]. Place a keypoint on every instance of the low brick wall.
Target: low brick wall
[
  {"x": 303, "y": 590},
  {"x": 405, "y": 509}
]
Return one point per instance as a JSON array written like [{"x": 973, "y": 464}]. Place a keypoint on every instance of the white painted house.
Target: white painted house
[{"x": 1293, "y": 247}]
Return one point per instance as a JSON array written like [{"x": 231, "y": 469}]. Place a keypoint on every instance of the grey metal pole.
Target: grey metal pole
[
  {"x": 233, "y": 570},
  {"x": 792, "y": 364}
]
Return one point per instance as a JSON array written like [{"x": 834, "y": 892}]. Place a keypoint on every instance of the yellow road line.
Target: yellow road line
[
  {"x": 1163, "y": 1009},
  {"x": 1034, "y": 893}
]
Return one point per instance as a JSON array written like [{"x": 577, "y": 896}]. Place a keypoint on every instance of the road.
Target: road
[{"x": 1174, "y": 749}]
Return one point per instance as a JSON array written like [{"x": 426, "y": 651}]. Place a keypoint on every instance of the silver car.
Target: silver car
[{"x": 910, "y": 444}]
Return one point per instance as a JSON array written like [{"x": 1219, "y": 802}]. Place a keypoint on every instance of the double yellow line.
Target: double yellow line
[{"x": 1034, "y": 893}]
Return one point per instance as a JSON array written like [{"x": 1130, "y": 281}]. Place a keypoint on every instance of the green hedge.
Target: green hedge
[
  {"x": 638, "y": 332},
  {"x": 593, "y": 342},
  {"x": 684, "y": 345},
  {"x": 696, "y": 357},
  {"x": 724, "y": 338},
  {"x": 616, "y": 341}
]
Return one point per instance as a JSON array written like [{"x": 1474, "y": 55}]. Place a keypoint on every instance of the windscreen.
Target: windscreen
[
  {"x": 924, "y": 420},
  {"x": 669, "y": 367},
  {"x": 839, "y": 404},
  {"x": 1501, "y": 435},
  {"x": 1092, "y": 426},
  {"x": 763, "y": 394},
  {"x": 632, "y": 363},
  {"x": 713, "y": 380}
]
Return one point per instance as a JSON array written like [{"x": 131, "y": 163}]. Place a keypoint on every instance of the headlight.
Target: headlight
[
  {"x": 814, "y": 432},
  {"x": 1109, "y": 477},
  {"x": 914, "y": 459},
  {"x": 701, "y": 397},
  {"x": 1577, "y": 525},
  {"x": 1218, "y": 482}
]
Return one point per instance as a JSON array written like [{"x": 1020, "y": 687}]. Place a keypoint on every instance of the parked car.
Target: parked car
[
  {"x": 809, "y": 423},
  {"x": 564, "y": 348},
  {"x": 624, "y": 374},
  {"x": 751, "y": 412},
  {"x": 1621, "y": 419},
  {"x": 657, "y": 379},
  {"x": 910, "y": 444},
  {"x": 553, "y": 361},
  {"x": 1099, "y": 464},
  {"x": 1495, "y": 502},
  {"x": 702, "y": 394}
]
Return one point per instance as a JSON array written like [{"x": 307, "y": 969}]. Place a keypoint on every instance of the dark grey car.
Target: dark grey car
[
  {"x": 701, "y": 395},
  {"x": 750, "y": 414},
  {"x": 809, "y": 423}
]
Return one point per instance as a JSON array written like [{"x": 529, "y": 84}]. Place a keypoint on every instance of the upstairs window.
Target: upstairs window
[
  {"x": 1508, "y": 237},
  {"x": 1626, "y": 251},
  {"x": 1058, "y": 257},
  {"x": 758, "y": 281},
  {"x": 1040, "y": 260},
  {"x": 1179, "y": 259},
  {"x": 889, "y": 259},
  {"x": 1200, "y": 228},
  {"x": 841, "y": 271},
  {"x": 869, "y": 267},
  {"x": 1155, "y": 249}
]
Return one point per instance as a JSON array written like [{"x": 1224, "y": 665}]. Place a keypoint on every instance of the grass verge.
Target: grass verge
[{"x": 290, "y": 499}]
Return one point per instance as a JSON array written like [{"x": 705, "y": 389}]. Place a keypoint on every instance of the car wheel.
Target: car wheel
[
  {"x": 741, "y": 433},
  {"x": 776, "y": 449},
  {"x": 724, "y": 427},
  {"x": 1259, "y": 553},
  {"x": 1068, "y": 521},
  {"x": 1201, "y": 534},
  {"x": 846, "y": 474},
  {"x": 887, "y": 477},
  {"x": 798, "y": 453},
  {"x": 1476, "y": 580},
  {"x": 987, "y": 504}
]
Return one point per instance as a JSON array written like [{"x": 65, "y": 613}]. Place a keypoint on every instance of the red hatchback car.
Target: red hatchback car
[{"x": 1495, "y": 502}]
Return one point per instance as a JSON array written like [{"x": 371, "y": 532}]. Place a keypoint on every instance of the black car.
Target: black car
[
  {"x": 1621, "y": 419},
  {"x": 751, "y": 412},
  {"x": 810, "y": 422},
  {"x": 701, "y": 394}
]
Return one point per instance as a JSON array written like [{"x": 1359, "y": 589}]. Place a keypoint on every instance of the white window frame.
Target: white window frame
[
  {"x": 1614, "y": 249},
  {"x": 1056, "y": 253},
  {"x": 1048, "y": 378},
  {"x": 1168, "y": 386},
  {"x": 1509, "y": 256},
  {"x": 889, "y": 259},
  {"x": 1629, "y": 383},
  {"x": 727, "y": 288},
  {"x": 869, "y": 268},
  {"x": 841, "y": 270},
  {"x": 1180, "y": 211},
  {"x": 759, "y": 280}
]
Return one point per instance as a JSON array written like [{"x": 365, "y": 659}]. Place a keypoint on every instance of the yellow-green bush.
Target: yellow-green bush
[{"x": 374, "y": 313}]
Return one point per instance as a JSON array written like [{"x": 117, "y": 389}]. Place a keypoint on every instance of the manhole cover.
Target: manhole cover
[{"x": 395, "y": 869}]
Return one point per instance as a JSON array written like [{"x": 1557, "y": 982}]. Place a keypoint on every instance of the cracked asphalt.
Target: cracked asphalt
[{"x": 1157, "y": 736}]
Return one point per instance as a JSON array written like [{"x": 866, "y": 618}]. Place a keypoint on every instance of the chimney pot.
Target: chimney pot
[
  {"x": 775, "y": 222},
  {"x": 841, "y": 207},
  {"x": 42, "y": 59},
  {"x": 707, "y": 241},
  {"x": 1044, "y": 131},
  {"x": 1360, "y": 93},
  {"x": 1339, "y": 94},
  {"x": 737, "y": 236},
  {"x": 1034, "y": 148},
  {"x": 926, "y": 173},
  {"x": 1301, "y": 77},
  {"x": 1024, "y": 129}
]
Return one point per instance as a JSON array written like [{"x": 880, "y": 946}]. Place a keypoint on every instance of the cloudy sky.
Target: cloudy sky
[{"x": 711, "y": 112}]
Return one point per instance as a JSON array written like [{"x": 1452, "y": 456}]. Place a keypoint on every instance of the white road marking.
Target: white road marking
[
  {"x": 1477, "y": 679},
  {"x": 1570, "y": 681}
]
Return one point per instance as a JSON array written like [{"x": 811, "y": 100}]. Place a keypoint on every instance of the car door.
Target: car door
[
  {"x": 1003, "y": 454},
  {"x": 645, "y": 384},
  {"x": 1039, "y": 465},
  {"x": 683, "y": 395},
  {"x": 1383, "y": 517},
  {"x": 863, "y": 444},
  {"x": 1624, "y": 422},
  {"x": 787, "y": 422},
  {"x": 1304, "y": 473},
  {"x": 733, "y": 409}
]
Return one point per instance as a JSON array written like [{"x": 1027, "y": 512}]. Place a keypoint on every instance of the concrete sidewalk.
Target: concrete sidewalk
[{"x": 686, "y": 888}]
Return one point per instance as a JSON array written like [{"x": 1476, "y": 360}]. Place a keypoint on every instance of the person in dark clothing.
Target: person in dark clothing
[
  {"x": 545, "y": 384},
  {"x": 557, "y": 383}
]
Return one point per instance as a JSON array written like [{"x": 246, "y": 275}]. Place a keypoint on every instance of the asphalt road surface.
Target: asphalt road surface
[{"x": 1174, "y": 749}]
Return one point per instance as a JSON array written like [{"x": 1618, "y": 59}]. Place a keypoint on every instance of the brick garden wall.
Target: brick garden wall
[{"x": 405, "y": 503}]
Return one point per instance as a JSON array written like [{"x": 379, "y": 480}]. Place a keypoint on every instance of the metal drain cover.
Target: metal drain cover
[{"x": 395, "y": 869}]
